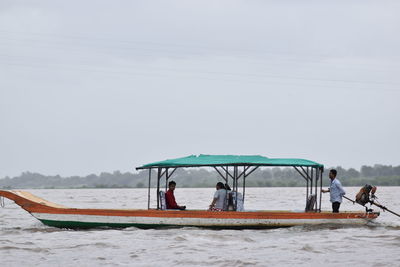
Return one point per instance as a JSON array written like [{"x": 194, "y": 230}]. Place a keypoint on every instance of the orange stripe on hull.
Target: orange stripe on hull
[{"x": 36, "y": 207}]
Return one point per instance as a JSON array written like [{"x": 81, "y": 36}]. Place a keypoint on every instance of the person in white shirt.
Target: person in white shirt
[
  {"x": 336, "y": 190},
  {"x": 218, "y": 203}
]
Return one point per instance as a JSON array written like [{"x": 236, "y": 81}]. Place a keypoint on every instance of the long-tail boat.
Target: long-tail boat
[{"x": 231, "y": 168}]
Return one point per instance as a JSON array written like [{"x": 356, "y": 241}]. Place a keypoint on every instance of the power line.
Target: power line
[
  {"x": 103, "y": 43},
  {"x": 207, "y": 72},
  {"x": 194, "y": 76}
]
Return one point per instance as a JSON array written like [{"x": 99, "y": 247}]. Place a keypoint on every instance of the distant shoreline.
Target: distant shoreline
[
  {"x": 153, "y": 188},
  {"x": 379, "y": 175}
]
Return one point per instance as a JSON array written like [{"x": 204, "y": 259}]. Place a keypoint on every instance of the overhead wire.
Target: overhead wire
[
  {"x": 289, "y": 56},
  {"x": 160, "y": 71},
  {"x": 156, "y": 70},
  {"x": 152, "y": 75}
]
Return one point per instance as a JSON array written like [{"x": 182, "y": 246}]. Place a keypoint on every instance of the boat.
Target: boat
[{"x": 233, "y": 169}]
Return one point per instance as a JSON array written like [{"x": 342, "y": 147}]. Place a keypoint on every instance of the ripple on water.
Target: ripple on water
[
  {"x": 180, "y": 238},
  {"x": 21, "y": 230},
  {"x": 391, "y": 226},
  {"x": 97, "y": 245},
  {"x": 309, "y": 248},
  {"x": 248, "y": 239},
  {"x": 216, "y": 262},
  {"x": 45, "y": 229},
  {"x": 24, "y": 243},
  {"x": 37, "y": 250}
]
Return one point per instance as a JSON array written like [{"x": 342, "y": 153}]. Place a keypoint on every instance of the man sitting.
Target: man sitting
[{"x": 170, "y": 198}]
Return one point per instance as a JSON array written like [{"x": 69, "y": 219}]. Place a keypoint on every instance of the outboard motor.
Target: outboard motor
[{"x": 366, "y": 194}]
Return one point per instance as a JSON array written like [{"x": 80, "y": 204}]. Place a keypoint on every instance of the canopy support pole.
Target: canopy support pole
[
  {"x": 169, "y": 176},
  {"x": 244, "y": 181},
  {"x": 306, "y": 173},
  {"x": 311, "y": 179},
  {"x": 309, "y": 185},
  {"x": 315, "y": 206},
  {"x": 158, "y": 187},
  {"x": 320, "y": 192},
  {"x": 245, "y": 168},
  {"x": 316, "y": 188},
  {"x": 220, "y": 174},
  {"x": 148, "y": 192},
  {"x": 255, "y": 168},
  {"x": 307, "y": 192},
  {"x": 162, "y": 174},
  {"x": 302, "y": 174},
  {"x": 235, "y": 185},
  {"x": 306, "y": 176},
  {"x": 166, "y": 179},
  {"x": 227, "y": 172}
]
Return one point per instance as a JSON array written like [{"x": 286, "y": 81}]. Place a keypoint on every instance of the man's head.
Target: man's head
[
  {"x": 219, "y": 185},
  {"x": 332, "y": 174},
  {"x": 171, "y": 185}
]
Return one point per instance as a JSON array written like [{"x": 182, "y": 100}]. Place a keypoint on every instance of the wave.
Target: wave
[{"x": 37, "y": 250}]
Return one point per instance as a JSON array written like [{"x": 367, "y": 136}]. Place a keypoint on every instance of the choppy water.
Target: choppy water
[{"x": 25, "y": 241}]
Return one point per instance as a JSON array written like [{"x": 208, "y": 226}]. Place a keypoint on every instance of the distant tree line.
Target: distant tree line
[{"x": 386, "y": 175}]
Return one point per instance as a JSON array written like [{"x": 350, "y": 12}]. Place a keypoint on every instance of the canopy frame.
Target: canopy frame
[{"x": 311, "y": 173}]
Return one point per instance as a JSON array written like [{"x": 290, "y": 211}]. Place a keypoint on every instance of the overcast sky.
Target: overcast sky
[{"x": 93, "y": 86}]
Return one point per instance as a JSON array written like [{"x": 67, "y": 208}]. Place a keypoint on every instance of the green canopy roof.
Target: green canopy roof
[{"x": 229, "y": 160}]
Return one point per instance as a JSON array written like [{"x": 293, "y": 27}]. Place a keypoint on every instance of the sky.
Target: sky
[{"x": 97, "y": 86}]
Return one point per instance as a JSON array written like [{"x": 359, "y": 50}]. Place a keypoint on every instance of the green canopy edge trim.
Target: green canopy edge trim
[{"x": 230, "y": 160}]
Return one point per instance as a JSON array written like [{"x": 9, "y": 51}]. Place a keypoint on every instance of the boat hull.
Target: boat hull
[
  {"x": 271, "y": 221},
  {"x": 63, "y": 217}
]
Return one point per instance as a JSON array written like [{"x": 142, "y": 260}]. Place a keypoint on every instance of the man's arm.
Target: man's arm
[
  {"x": 326, "y": 191},
  {"x": 342, "y": 192},
  {"x": 213, "y": 203}
]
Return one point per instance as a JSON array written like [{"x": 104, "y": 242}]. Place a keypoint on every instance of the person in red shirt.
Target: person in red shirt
[{"x": 170, "y": 198}]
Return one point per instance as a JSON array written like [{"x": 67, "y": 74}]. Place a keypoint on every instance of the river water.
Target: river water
[{"x": 25, "y": 241}]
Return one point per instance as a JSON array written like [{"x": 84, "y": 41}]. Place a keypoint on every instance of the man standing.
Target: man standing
[
  {"x": 170, "y": 198},
  {"x": 336, "y": 190}
]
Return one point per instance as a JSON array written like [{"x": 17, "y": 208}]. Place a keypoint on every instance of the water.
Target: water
[{"x": 25, "y": 241}]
